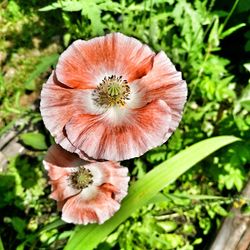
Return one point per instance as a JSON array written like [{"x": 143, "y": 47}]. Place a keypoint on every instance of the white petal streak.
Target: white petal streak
[
  {"x": 89, "y": 193},
  {"x": 96, "y": 170}
]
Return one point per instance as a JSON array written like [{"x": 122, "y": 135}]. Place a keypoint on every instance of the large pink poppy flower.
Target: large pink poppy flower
[
  {"x": 87, "y": 192},
  {"x": 112, "y": 98}
]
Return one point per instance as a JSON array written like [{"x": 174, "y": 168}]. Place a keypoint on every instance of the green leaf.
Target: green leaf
[
  {"x": 247, "y": 46},
  {"x": 245, "y": 104},
  {"x": 88, "y": 237},
  {"x": 247, "y": 66},
  {"x": 19, "y": 225},
  {"x": 167, "y": 226},
  {"x": 93, "y": 12},
  {"x": 232, "y": 30},
  {"x": 44, "y": 64},
  {"x": 245, "y": 98},
  {"x": 52, "y": 6},
  {"x": 213, "y": 38},
  {"x": 1, "y": 244},
  {"x": 72, "y": 6},
  {"x": 34, "y": 140},
  {"x": 55, "y": 224}
]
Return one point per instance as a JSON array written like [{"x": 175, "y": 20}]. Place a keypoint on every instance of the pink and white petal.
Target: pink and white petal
[
  {"x": 97, "y": 209},
  {"x": 118, "y": 188},
  {"x": 84, "y": 64},
  {"x": 138, "y": 131},
  {"x": 97, "y": 170},
  {"x": 55, "y": 172},
  {"x": 106, "y": 170},
  {"x": 62, "y": 189},
  {"x": 114, "y": 191},
  {"x": 110, "y": 173},
  {"x": 59, "y": 162},
  {"x": 131, "y": 58},
  {"x": 164, "y": 82},
  {"x": 75, "y": 67},
  {"x": 59, "y": 104}
]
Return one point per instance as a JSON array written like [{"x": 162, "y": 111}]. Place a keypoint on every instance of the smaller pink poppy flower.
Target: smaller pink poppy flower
[{"x": 86, "y": 192}]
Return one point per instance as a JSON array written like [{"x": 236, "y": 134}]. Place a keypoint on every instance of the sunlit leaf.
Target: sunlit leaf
[
  {"x": 34, "y": 140},
  {"x": 245, "y": 98},
  {"x": 1, "y": 244},
  {"x": 232, "y": 30},
  {"x": 52, "y": 6},
  {"x": 247, "y": 66}
]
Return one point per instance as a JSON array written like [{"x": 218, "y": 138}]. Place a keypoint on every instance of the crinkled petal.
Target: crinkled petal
[
  {"x": 81, "y": 210},
  {"x": 84, "y": 64},
  {"x": 61, "y": 189},
  {"x": 164, "y": 82},
  {"x": 132, "y": 135},
  {"x": 58, "y": 104},
  {"x": 58, "y": 162},
  {"x": 111, "y": 173}
]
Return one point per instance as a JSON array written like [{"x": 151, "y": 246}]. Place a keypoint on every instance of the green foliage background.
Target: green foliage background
[{"x": 209, "y": 41}]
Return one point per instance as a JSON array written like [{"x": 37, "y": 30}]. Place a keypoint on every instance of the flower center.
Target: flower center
[
  {"x": 112, "y": 91},
  {"x": 81, "y": 179}
]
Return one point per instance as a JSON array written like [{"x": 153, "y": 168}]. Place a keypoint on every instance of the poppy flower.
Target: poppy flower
[
  {"x": 112, "y": 98},
  {"x": 86, "y": 192}
]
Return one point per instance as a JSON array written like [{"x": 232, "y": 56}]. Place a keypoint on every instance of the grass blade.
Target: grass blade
[
  {"x": 1, "y": 244},
  {"x": 88, "y": 237}
]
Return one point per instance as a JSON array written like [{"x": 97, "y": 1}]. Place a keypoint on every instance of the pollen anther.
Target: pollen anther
[
  {"x": 81, "y": 179},
  {"x": 112, "y": 91}
]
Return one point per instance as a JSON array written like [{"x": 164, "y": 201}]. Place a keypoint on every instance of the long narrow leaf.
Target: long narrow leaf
[
  {"x": 163, "y": 197},
  {"x": 88, "y": 237},
  {"x": 1, "y": 244}
]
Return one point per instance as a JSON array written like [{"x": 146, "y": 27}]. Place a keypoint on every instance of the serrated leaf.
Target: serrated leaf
[
  {"x": 110, "y": 6},
  {"x": 64, "y": 5},
  {"x": 52, "y": 6},
  {"x": 72, "y": 6},
  {"x": 88, "y": 237},
  {"x": 34, "y": 140},
  {"x": 93, "y": 12}
]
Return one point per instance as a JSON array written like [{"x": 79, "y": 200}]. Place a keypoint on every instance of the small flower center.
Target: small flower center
[
  {"x": 112, "y": 91},
  {"x": 81, "y": 179}
]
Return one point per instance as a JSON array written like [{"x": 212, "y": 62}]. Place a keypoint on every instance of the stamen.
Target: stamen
[
  {"x": 112, "y": 91},
  {"x": 81, "y": 179}
]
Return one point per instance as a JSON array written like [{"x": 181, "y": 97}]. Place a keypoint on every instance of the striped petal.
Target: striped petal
[
  {"x": 164, "y": 82},
  {"x": 58, "y": 104},
  {"x": 85, "y": 63},
  {"x": 106, "y": 137},
  {"x": 98, "y": 209}
]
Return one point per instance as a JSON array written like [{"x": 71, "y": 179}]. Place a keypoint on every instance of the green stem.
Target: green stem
[
  {"x": 211, "y": 5},
  {"x": 229, "y": 15}
]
